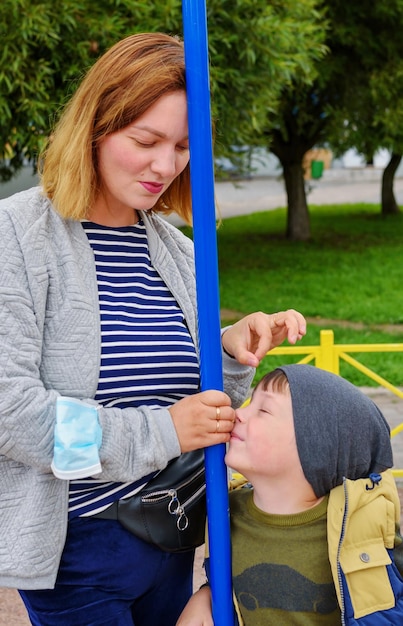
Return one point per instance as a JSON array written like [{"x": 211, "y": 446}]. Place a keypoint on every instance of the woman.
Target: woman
[{"x": 98, "y": 304}]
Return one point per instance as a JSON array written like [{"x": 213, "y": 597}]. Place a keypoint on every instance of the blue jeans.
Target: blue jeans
[{"x": 109, "y": 577}]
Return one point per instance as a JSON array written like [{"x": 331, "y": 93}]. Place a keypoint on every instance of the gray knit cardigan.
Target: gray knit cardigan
[{"x": 50, "y": 346}]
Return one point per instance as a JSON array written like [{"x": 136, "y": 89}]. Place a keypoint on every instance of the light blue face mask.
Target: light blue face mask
[{"x": 78, "y": 437}]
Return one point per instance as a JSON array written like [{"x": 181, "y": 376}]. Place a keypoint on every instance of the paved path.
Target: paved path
[
  {"x": 269, "y": 193},
  {"x": 336, "y": 187}
]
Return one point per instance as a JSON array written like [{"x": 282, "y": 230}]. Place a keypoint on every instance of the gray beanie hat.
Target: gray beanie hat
[{"x": 340, "y": 433}]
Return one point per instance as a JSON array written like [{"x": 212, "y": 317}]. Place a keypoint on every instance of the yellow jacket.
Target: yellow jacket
[{"x": 363, "y": 524}]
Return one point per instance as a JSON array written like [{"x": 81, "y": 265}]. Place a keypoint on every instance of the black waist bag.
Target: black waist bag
[{"x": 170, "y": 511}]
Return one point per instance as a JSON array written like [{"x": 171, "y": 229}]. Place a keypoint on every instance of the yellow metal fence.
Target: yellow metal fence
[{"x": 327, "y": 355}]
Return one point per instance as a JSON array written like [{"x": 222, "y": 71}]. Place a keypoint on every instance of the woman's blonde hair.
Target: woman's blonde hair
[{"x": 127, "y": 80}]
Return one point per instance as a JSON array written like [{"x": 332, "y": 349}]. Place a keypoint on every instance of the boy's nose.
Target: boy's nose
[{"x": 241, "y": 414}]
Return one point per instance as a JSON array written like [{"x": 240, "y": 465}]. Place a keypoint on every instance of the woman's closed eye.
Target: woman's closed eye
[{"x": 144, "y": 144}]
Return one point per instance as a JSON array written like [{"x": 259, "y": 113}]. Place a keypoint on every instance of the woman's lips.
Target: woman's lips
[{"x": 152, "y": 187}]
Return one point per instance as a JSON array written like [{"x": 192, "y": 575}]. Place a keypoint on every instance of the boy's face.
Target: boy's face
[{"x": 263, "y": 438}]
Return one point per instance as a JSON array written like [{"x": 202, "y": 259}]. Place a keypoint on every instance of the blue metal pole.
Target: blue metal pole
[{"x": 206, "y": 263}]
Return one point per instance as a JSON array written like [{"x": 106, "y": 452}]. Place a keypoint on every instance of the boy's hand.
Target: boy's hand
[{"x": 197, "y": 612}]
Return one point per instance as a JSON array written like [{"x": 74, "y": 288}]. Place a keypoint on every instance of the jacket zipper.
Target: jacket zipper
[{"x": 343, "y": 530}]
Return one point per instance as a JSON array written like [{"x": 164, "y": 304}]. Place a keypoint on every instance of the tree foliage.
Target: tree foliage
[
  {"x": 256, "y": 47},
  {"x": 45, "y": 47},
  {"x": 355, "y": 101}
]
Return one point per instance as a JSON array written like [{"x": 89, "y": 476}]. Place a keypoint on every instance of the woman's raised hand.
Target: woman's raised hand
[{"x": 254, "y": 335}]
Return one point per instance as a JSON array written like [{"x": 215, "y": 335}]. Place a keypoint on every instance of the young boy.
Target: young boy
[{"x": 315, "y": 533}]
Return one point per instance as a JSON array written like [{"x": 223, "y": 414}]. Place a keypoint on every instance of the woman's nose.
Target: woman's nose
[{"x": 164, "y": 163}]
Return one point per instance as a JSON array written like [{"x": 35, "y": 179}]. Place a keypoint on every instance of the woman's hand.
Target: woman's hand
[
  {"x": 197, "y": 612},
  {"x": 203, "y": 419},
  {"x": 249, "y": 340}
]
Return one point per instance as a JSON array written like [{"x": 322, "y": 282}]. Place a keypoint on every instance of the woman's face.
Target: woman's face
[{"x": 139, "y": 162}]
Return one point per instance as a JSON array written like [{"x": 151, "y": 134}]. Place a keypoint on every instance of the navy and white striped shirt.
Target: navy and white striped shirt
[{"x": 147, "y": 355}]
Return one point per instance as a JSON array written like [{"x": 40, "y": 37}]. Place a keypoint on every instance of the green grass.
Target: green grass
[{"x": 348, "y": 278}]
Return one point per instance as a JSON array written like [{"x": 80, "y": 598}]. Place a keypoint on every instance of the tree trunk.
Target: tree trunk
[
  {"x": 389, "y": 204},
  {"x": 298, "y": 223}
]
